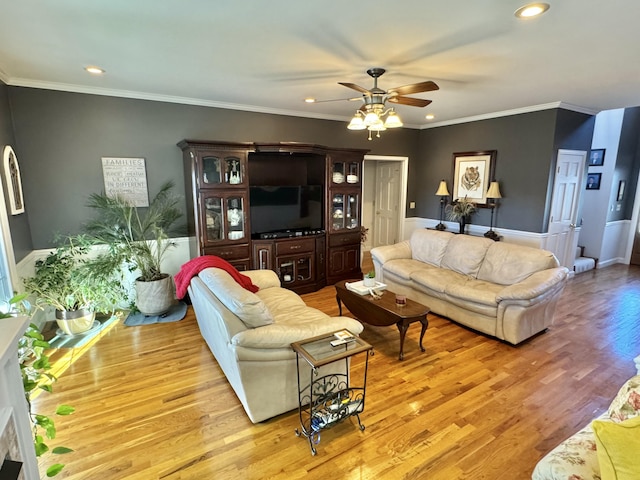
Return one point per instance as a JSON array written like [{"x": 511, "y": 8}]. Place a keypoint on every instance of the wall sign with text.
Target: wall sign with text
[{"x": 127, "y": 178}]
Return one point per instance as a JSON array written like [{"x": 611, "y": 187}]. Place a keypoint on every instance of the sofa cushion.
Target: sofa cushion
[
  {"x": 404, "y": 268},
  {"x": 618, "y": 446},
  {"x": 244, "y": 304},
  {"x": 574, "y": 458},
  {"x": 429, "y": 246},
  {"x": 464, "y": 254},
  {"x": 506, "y": 263},
  {"x": 435, "y": 280},
  {"x": 626, "y": 403}
]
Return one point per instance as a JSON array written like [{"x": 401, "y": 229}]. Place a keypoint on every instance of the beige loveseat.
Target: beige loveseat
[
  {"x": 250, "y": 335},
  {"x": 505, "y": 290}
]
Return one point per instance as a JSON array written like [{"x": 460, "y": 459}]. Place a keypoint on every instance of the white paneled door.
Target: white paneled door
[
  {"x": 565, "y": 204},
  {"x": 386, "y": 203}
]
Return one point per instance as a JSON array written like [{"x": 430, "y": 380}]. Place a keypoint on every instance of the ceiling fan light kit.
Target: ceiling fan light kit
[{"x": 374, "y": 115}]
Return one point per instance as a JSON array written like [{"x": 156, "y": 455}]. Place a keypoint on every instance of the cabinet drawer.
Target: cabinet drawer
[
  {"x": 229, "y": 252},
  {"x": 295, "y": 246},
  {"x": 344, "y": 239}
]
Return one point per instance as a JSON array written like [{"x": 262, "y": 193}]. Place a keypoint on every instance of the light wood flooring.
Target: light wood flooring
[{"x": 151, "y": 402}]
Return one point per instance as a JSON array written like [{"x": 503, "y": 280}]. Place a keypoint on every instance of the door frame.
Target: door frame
[
  {"x": 635, "y": 219},
  {"x": 402, "y": 189}
]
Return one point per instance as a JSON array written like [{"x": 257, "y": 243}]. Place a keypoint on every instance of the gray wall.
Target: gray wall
[
  {"x": 61, "y": 136},
  {"x": 525, "y": 152},
  {"x": 19, "y": 224}
]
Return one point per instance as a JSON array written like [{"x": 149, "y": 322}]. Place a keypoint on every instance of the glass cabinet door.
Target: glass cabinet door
[
  {"x": 222, "y": 169},
  {"x": 345, "y": 211},
  {"x": 235, "y": 218},
  {"x": 214, "y": 225},
  {"x": 345, "y": 172},
  {"x": 224, "y": 217}
]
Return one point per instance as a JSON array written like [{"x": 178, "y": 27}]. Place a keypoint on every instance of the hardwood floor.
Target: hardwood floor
[{"x": 151, "y": 402}]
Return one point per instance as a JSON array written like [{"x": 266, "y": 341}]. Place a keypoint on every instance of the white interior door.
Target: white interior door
[
  {"x": 565, "y": 203},
  {"x": 386, "y": 203}
]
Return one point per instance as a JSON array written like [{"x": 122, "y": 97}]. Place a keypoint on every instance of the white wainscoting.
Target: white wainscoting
[{"x": 614, "y": 243}]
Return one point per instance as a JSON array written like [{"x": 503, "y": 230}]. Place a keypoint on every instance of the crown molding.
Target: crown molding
[
  {"x": 515, "y": 111},
  {"x": 65, "y": 87}
]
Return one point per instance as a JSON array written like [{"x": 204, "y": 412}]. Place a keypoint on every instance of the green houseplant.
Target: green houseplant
[
  {"x": 66, "y": 281},
  {"x": 460, "y": 211},
  {"x": 34, "y": 368},
  {"x": 139, "y": 238}
]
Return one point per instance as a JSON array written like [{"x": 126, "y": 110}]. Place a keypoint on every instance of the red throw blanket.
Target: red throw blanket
[{"x": 194, "y": 266}]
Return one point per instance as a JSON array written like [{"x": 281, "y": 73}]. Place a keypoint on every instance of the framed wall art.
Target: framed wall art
[
  {"x": 593, "y": 181},
  {"x": 127, "y": 178},
  {"x": 13, "y": 180},
  {"x": 472, "y": 175},
  {"x": 621, "y": 187},
  {"x": 596, "y": 157}
]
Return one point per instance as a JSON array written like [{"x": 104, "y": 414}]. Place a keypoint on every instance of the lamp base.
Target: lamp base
[
  {"x": 492, "y": 235},
  {"x": 441, "y": 227}
]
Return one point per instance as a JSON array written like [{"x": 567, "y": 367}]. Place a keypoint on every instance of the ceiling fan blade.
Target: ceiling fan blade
[
  {"x": 352, "y": 99},
  {"x": 427, "y": 86},
  {"x": 414, "y": 102},
  {"x": 355, "y": 87}
]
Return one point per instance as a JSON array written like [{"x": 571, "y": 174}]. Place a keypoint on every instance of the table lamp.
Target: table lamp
[
  {"x": 443, "y": 193},
  {"x": 493, "y": 194}
]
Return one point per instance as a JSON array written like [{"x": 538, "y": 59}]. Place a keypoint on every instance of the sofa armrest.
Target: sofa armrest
[
  {"x": 391, "y": 252},
  {"x": 535, "y": 285},
  {"x": 263, "y": 278},
  {"x": 282, "y": 336}
]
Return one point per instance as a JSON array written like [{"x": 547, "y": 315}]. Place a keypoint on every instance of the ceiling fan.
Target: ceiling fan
[
  {"x": 394, "y": 95},
  {"x": 371, "y": 113}
]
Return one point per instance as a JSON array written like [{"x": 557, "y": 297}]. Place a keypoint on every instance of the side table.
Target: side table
[{"x": 328, "y": 399}]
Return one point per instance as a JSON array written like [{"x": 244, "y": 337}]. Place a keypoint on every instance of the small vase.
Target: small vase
[{"x": 463, "y": 224}]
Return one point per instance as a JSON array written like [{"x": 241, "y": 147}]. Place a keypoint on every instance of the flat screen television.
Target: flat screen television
[{"x": 285, "y": 208}]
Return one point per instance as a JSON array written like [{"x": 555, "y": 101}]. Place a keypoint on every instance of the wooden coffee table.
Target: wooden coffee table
[{"x": 384, "y": 311}]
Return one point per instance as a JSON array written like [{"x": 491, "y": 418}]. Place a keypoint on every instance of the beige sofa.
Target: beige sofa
[
  {"x": 505, "y": 290},
  {"x": 250, "y": 335}
]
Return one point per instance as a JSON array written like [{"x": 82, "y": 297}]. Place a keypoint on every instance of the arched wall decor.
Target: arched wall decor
[{"x": 13, "y": 179}]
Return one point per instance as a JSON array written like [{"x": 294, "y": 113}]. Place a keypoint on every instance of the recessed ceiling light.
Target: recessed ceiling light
[
  {"x": 94, "y": 70},
  {"x": 430, "y": 116},
  {"x": 532, "y": 10},
  {"x": 310, "y": 100}
]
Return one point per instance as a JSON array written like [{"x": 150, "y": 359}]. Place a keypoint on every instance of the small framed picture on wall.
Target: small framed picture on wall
[
  {"x": 596, "y": 157},
  {"x": 621, "y": 186},
  {"x": 593, "y": 181}
]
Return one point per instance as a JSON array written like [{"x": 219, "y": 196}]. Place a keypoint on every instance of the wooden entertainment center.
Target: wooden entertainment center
[{"x": 314, "y": 189}]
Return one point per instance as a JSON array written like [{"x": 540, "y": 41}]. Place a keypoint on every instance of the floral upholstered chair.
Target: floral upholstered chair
[{"x": 577, "y": 457}]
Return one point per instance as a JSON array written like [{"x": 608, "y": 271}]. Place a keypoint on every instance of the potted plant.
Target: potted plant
[
  {"x": 370, "y": 279},
  {"x": 139, "y": 238},
  {"x": 34, "y": 368},
  {"x": 460, "y": 211},
  {"x": 65, "y": 281}
]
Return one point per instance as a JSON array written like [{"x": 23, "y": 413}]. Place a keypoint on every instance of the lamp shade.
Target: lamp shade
[
  {"x": 356, "y": 123},
  {"x": 393, "y": 120},
  {"x": 442, "y": 189},
  {"x": 494, "y": 190}
]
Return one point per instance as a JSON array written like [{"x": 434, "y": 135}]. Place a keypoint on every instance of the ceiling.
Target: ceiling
[{"x": 268, "y": 56}]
